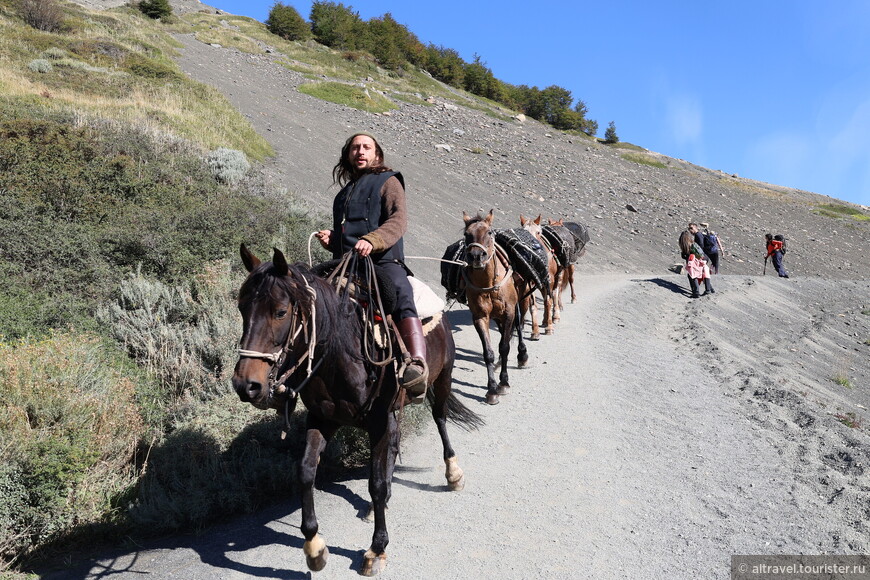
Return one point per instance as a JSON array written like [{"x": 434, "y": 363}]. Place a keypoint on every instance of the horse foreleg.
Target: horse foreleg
[
  {"x": 315, "y": 548},
  {"x": 519, "y": 323},
  {"x": 506, "y": 327},
  {"x": 482, "y": 327},
  {"x": 557, "y": 294},
  {"x": 384, "y": 442},
  {"x": 548, "y": 313}
]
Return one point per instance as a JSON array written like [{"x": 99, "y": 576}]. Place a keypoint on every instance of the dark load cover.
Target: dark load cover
[
  {"x": 561, "y": 240},
  {"x": 451, "y": 274},
  {"x": 581, "y": 237},
  {"x": 527, "y": 255}
]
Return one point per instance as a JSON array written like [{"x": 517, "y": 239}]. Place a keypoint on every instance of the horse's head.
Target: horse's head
[
  {"x": 479, "y": 240},
  {"x": 558, "y": 222},
  {"x": 270, "y": 301},
  {"x": 533, "y": 226}
]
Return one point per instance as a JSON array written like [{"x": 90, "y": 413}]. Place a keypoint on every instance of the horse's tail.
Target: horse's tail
[{"x": 458, "y": 413}]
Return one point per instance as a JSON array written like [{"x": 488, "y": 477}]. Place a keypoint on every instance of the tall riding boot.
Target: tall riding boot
[{"x": 416, "y": 373}]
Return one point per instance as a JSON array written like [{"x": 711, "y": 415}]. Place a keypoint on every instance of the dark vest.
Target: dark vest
[{"x": 356, "y": 211}]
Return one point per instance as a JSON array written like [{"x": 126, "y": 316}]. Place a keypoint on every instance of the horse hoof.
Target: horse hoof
[
  {"x": 453, "y": 473},
  {"x": 492, "y": 398},
  {"x": 317, "y": 562},
  {"x": 535, "y": 336},
  {"x": 503, "y": 389},
  {"x": 373, "y": 564},
  {"x": 549, "y": 331},
  {"x": 522, "y": 361}
]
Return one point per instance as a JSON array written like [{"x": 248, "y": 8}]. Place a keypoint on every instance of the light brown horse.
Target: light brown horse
[
  {"x": 494, "y": 292},
  {"x": 550, "y": 295}
]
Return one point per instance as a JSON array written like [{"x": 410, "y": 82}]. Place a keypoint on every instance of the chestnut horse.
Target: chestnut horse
[
  {"x": 552, "y": 295},
  {"x": 494, "y": 292},
  {"x": 302, "y": 339}
]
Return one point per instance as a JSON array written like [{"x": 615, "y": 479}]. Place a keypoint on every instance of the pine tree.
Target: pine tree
[{"x": 610, "y": 135}]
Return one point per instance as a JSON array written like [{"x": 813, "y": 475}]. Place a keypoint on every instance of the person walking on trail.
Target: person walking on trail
[
  {"x": 369, "y": 216},
  {"x": 775, "y": 251},
  {"x": 697, "y": 268},
  {"x": 712, "y": 246}
]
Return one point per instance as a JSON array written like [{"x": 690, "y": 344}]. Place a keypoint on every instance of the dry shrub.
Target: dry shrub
[{"x": 45, "y": 15}]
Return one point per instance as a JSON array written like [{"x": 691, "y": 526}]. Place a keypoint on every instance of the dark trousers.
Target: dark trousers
[
  {"x": 693, "y": 284},
  {"x": 714, "y": 262},
  {"x": 404, "y": 293},
  {"x": 777, "y": 264}
]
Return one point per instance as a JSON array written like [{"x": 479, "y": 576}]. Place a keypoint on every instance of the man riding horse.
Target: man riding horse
[{"x": 369, "y": 216}]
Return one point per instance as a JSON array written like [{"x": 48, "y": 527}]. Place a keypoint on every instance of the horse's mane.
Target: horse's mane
[{"x": 337, "y": 330}]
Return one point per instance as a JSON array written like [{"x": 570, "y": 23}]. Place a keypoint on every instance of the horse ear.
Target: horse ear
[
  {"x": 279, "y": 262},
  {"x": 538, "y": 220},
  {"x": 488, "y": 218},
  {"x": 248, "y": 259},
  {"x": 465, "y": 217},
  {"x": 522, "y": 220}
]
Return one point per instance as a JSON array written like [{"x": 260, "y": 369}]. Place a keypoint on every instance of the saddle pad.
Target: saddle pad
[{"x": 428, "y": 303}]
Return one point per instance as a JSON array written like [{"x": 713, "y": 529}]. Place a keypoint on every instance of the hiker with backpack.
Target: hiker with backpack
[
  {"x": 712, "y": 246},
  {"x": 775, "y": 249}
]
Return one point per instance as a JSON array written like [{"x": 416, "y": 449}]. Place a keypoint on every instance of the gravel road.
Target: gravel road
[{"x": 628, "y": 449}]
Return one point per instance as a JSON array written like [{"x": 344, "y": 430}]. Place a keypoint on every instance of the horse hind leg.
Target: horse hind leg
[{"x": 384, "y": 441}]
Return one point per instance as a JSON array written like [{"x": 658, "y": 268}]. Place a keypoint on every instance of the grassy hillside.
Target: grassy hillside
[{"x": 125, "y": 189}]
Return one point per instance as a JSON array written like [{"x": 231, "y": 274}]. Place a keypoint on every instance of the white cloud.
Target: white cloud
[{"x": 685, "y": 119}]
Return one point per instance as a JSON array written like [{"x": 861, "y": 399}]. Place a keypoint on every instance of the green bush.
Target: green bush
[
  {"x": 286, "y": 22},
  {"x": 155, "y": 8},
  {"x": 149, "y": 68}
]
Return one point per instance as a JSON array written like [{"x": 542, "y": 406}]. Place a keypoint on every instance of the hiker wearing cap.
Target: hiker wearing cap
[{"x": 369, "y": 216}]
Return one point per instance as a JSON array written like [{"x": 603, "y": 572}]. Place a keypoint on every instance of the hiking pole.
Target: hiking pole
[{"x": 764, "y": 272}]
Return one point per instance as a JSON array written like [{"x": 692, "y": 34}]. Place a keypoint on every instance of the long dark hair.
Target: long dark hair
[{"x": 344, "y": 171}]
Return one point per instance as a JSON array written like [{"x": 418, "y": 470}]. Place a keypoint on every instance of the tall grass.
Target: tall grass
[{"x": 71, "y": 429}]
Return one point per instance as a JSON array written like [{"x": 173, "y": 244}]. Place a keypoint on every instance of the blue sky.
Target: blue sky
[{"x": 773, "y": 90}]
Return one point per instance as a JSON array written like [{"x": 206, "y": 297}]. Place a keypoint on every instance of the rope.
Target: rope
[{"x": 457, "y": 262}]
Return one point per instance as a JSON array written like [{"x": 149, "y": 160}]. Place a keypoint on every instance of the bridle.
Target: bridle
[
  {"x": 302, "y": 321},
  {"x": 496, "y": 250}
]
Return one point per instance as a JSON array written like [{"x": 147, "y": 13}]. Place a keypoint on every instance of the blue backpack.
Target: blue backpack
[{"x": 711, "y": 244}]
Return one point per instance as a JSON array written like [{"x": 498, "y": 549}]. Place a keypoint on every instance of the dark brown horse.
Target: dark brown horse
[
  {"x": 301, "y": 338},
  {"x": 580, "y": 236},
  {"x": 494, "y": 292},
  {"x": 550, "y": 295}
]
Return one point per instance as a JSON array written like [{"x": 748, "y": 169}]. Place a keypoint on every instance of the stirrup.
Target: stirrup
[{"x": 413, "y": 380}]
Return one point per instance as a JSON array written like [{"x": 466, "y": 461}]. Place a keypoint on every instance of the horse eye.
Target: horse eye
[{"x": 281, "y": 314}]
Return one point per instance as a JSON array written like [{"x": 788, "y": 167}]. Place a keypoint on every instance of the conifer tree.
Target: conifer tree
[{"x": 610, "y": 135}]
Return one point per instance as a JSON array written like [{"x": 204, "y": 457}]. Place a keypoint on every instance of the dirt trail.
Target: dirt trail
[{"x": 620, "y": 453}]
